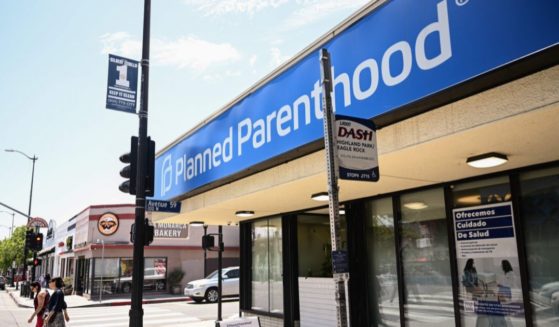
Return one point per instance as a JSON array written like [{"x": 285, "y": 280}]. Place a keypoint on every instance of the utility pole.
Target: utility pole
[{"x": 136, "y": 311}]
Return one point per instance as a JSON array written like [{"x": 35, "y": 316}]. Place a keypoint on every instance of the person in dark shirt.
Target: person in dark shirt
[{"x": 56, "y": 305}]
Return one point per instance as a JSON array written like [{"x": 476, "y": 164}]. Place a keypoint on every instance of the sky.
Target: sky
[{"x": 53, "y": 79}]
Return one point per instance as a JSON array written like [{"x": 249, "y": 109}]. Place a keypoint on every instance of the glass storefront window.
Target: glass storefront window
[
  {"x": 426, "y": 260},
  {"x": 383, "y": 280},
  {"x": 482, "y": 192},
  {"x": 155, "y": 275},
  {"x": 267, "y": 265},
  {"x": 488, "y": 267},
  {"x": 314, "y": 244},
  {"x": 106, "y": 273},
  {"x": 540, "y": 215}
]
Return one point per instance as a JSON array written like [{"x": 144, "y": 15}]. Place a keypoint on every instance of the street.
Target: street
[{"x": 162, "y": 314}]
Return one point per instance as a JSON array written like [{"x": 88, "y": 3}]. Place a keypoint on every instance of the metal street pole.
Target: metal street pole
[
  {"x": 13, "y": 215},
  {"x": 136, "y": 311},
  {"x": 333, "y": 200},
  {"x": 219, "y": 269},
  {"x": 205, "y": 253},
  {"x": 102, "y": 270},
  {"x": 34, "y": 158}
]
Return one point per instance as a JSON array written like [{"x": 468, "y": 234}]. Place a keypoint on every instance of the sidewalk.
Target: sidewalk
[{"x": 76, "y": 301}]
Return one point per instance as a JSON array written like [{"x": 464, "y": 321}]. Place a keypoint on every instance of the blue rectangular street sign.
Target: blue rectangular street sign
[
  {"x": 163, "y": 206},
  {"x": 122, "y": 84}
]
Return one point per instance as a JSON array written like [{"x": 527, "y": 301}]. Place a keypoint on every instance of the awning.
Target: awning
[{"x": 45, "y": 251}]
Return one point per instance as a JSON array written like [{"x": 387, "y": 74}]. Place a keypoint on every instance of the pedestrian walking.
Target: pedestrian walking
[
  {"x": 56, "y": 305},
  {"x": 39, "y": 303}
]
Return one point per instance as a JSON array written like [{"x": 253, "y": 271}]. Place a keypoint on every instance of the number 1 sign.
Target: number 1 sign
[{"x": 122, "y": 85}]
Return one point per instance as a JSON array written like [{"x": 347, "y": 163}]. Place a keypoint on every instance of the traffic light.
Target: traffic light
[
  {"x": 149, "y": 232},
  {"x": 208, "y": 242},
  {"x": 129, "y": 186},
  {"x": 29, "y": 239},
  {"x": 36, "y": 261},
  {"x": 37, "y": 242},
  {"x": 150, "y": 168},
  {"x": 130, "y": 171}
]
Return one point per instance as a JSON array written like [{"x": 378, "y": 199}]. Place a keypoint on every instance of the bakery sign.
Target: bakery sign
[
  {"x": 163, "y": 230},
  {"x": 108, "y": 224}
]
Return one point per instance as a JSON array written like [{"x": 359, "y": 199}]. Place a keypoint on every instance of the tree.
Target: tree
[{"x": 12, "y": 249}]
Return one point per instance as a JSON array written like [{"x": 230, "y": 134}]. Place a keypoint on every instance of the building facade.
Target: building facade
[
  {"x": 94, "y": 251},
  {"x": 436, "y": 241}
]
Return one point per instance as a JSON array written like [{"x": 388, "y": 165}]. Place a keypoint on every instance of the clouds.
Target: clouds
[
  {"x": 185, "y": 52},
  {"x": 300, "y": 12},
  {"x": 311, "y": 11},
  {"x": 223, "y": 7}
]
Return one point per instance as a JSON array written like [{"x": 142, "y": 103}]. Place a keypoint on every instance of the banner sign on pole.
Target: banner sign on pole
[
  {"x": 163, "y": 206},
  {"x": 122, "y": 84},
  {"x": 488, "y": 265},
  {"x": 357, "y": 149}
]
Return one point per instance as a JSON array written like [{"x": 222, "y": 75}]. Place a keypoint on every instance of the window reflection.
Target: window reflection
[
  {"x": 425, "y": 256},
  {"x": 540, "y": 213},
  {"x": 383, "y": 281},
  {"x": 267, "y": 265}
]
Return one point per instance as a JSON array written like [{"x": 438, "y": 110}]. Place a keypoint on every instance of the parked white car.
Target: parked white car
[
  {"x": 154, "y": 278},
  {"x": 206, "y": 288}
]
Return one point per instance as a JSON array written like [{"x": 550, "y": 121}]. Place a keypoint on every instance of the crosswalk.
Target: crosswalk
[{"x": 118, "y": 316}]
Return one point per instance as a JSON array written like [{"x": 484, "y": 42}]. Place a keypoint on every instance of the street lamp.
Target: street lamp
[
  {"x": 13, "y": 214},
  {"x": 34, "y": 158},
  {"x": 102, "y": 266}
]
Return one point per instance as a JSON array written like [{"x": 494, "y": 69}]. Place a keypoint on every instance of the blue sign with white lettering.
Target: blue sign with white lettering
[
  {"x": 122, "y": 85},
  {"x": 163, "y": 206},
  {"x": 401, "y": 52}
]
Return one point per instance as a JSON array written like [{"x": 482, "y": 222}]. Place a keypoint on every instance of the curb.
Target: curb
[
  {"x": 104, "y": 304},
  {"x": 16, "y": 301}
]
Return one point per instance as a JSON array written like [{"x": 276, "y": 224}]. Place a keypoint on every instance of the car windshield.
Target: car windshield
[{"x": 212, "y": 275}]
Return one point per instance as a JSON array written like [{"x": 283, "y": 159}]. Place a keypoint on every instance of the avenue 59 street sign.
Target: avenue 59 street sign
[{"x": 122, "y": 85}]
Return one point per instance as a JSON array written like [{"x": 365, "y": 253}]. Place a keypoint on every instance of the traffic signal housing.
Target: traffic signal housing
[
  {"x": 38, "y": 242},
  {"x": 130, "y": 171},
  {"x": 129, "y": 186},
  {"x": 149, "y": 233},
  {"x": 208, "y": 242},
  {"x": 29, "y": 234}
]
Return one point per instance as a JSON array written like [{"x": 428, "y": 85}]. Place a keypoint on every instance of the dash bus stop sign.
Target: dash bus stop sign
[
  {"x": 357, "y": 149},
  {"x": 122, "y": 85},
  {"x": 163, "y": 206}
]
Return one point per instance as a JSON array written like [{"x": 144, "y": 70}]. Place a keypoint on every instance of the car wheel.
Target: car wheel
[
  {"x": 126, "y": 288},
  {"x": 160, "y": 285},
  {"x": 197, "y": 299},
  {"x": 212, "y": 295}
]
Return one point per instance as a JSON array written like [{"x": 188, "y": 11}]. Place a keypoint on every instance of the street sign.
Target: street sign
[
  {"x": 122, "y": 84},
  {"x": 357, "y": 149},
  {"x": 340, "y": 262},
  {"x": 163, "y": 206}
]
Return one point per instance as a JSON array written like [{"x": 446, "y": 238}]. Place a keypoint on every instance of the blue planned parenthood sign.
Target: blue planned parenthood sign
[
  {"x": 163, "y": 206},
  {"x": 122, "y": 84}
]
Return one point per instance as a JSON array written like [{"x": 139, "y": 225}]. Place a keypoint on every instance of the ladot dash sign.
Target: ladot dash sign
[{"x": 357, "y": 149}]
